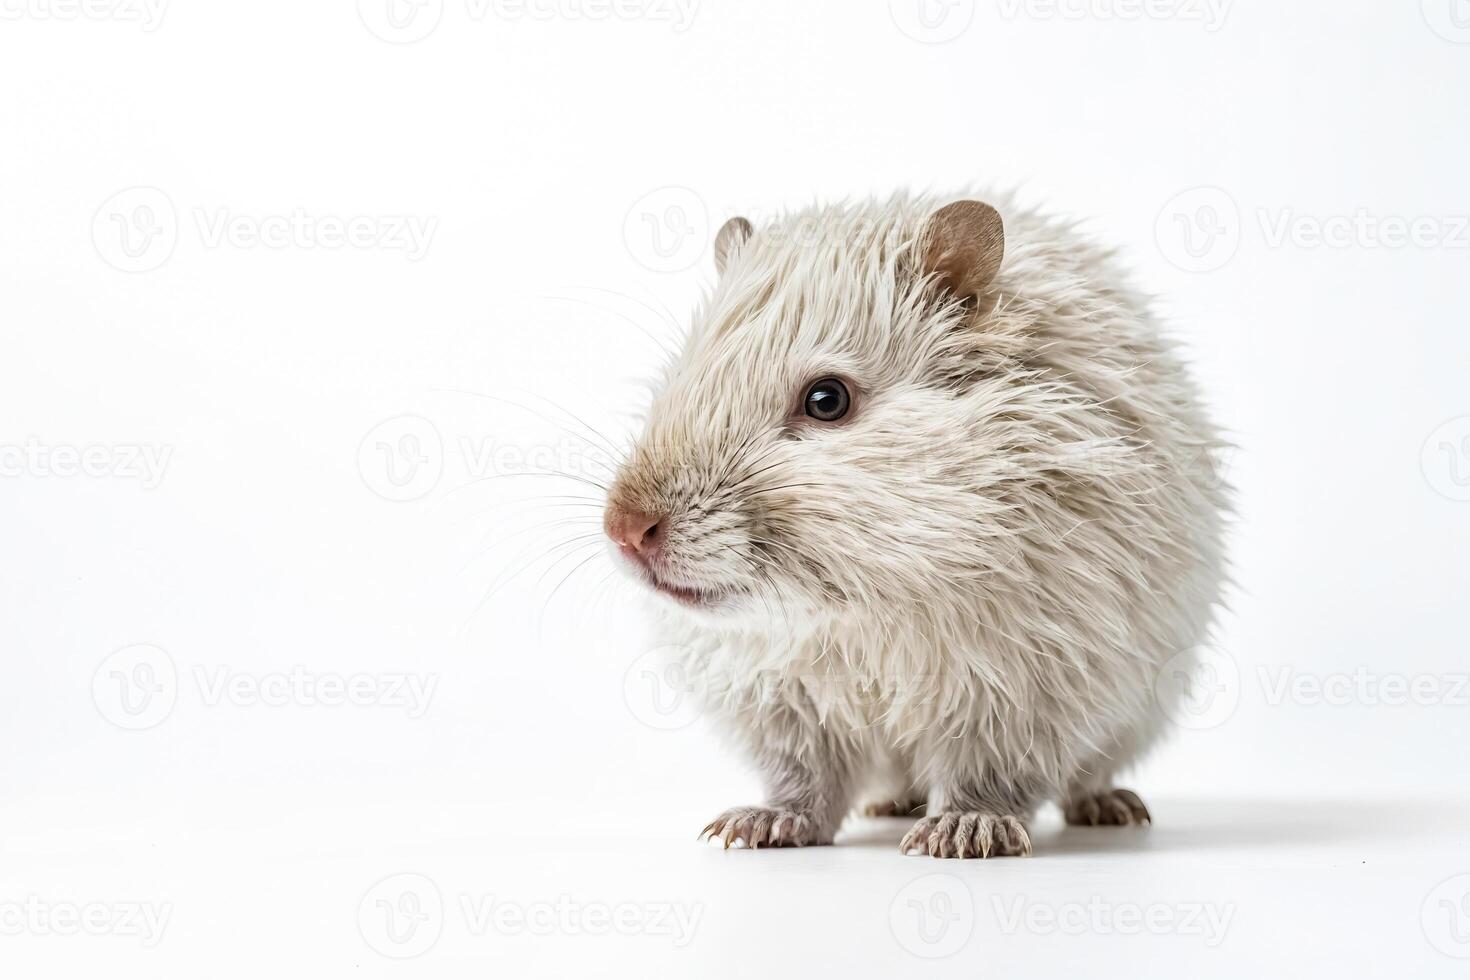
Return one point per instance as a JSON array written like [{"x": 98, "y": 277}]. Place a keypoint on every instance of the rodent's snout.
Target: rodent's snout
[{"x": 637, "y": 535}]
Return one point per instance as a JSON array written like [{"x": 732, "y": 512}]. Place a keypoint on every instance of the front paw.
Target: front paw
[
  {"x": 968, "y": 835},
  {"x": 1110, "y": 808},
  {"x": 760, "y": 826}
]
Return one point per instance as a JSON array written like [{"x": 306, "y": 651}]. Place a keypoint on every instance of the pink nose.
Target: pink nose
[{"x": 635, "y": 533}]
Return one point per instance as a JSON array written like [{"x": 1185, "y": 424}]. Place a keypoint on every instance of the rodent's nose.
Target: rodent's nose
[{"x": 635, "y": 533}]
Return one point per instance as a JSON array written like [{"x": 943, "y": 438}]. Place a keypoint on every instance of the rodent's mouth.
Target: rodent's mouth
[
  {"x": 684, "y": 594},
  {"x": 691, "y": 596}
]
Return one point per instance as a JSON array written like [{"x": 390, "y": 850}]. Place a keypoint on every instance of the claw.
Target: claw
[
  {"x": 984, "y": 837},
  {"x": 1109, "y": 807},
  {"x": 966, "y": 833},
  {"x": 1139, "y": 811}
]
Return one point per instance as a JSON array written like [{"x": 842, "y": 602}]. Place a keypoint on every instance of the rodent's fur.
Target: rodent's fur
[{"x": 962, "y": 593}]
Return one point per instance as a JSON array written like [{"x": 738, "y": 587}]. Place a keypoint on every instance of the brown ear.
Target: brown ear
[
  {"x": 962, "y": 245},
  {"x": 733, "y": 234}
]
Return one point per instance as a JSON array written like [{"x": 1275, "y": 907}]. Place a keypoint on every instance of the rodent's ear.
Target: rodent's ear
[
  {"x": 733, "y": 234},
  {"x": 962, "y": 244}
]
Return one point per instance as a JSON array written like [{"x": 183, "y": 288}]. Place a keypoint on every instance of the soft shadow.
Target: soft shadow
[{"x": 1196, "y": 825}]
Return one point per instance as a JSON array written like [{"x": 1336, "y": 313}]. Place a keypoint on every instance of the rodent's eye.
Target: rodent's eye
[{"x": 827, "y": 400}]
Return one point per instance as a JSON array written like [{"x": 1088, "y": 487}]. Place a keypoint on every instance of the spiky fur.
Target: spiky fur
[{"x": 965, "y": 590}]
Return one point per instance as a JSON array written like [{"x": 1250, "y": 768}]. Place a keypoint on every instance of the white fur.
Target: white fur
[{"x": 967, "y": 587}]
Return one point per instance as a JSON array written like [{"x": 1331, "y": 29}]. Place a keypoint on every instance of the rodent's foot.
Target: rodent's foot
[
  {"x": 1110, "y": 808},
  {"x": 968, "y": 835},
  {"x": 760, "y": 826},
  {"x": 895, "y": 808}
]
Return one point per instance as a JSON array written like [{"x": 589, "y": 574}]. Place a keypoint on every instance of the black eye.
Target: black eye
[{"x": 827, "y": 400}]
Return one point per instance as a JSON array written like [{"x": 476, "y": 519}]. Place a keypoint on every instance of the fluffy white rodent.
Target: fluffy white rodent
[{"x": 927, "y": 500}]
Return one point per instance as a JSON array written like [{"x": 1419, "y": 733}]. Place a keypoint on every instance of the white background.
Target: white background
[{"x": 1260, "y": 165}]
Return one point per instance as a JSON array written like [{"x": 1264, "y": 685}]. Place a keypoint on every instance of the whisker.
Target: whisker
[
  {"x": 670, "y": 354},
  {"x": 606, "y": 443},
  {"x": 547, "y": 474}
]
